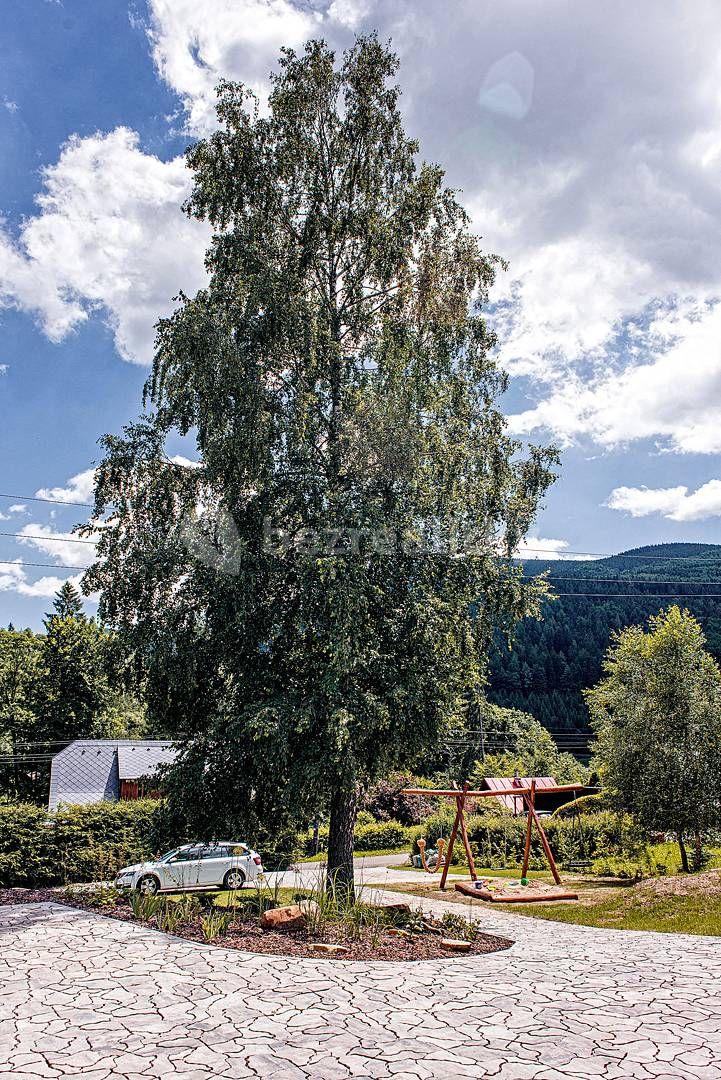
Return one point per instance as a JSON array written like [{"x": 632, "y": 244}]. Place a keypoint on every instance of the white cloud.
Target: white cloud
[
  {"x": 13, "y": 578},
  {"x": 675, "y": 503},
  {"x": 538, "y": 547},
  {"x": 587, "y": 149},
  {"x": 195, "y": 45},
  {"x": 79, "y": 489},
  {"x": 11, "y": 106},
  {"x": 674, "y": 398},
  {"x": 180, "y": 459},
  {"x": 109, "y": 237},
  {"x": 61, "y": 546},
  {"x": 588, "y": 152},
  {"x": 16, "y": 508}
]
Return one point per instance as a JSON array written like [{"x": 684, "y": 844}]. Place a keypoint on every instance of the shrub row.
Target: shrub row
[
  {"x": 498, "y": 841},
  {"x": 89, "y": 843},
  {"x": 77, "y": 843},
  {"x": 367, "y": 836}
]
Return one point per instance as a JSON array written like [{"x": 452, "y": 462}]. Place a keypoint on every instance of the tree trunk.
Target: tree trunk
[
  {"x": 343, "y": 811},
  {"x": 698, "y": 852},
  {"x": 684, "y": 854}
]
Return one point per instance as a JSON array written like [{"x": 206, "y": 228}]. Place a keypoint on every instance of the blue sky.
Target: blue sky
[{"x": 586, "y": 144}]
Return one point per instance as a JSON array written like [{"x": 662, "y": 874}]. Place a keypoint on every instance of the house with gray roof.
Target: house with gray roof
[{"x": 93, "y": 770}]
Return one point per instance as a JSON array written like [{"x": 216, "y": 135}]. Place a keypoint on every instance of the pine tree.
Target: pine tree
[{"x": 68, "y": 601}]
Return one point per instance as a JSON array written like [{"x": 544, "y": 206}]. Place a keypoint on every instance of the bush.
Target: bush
[
  {"x": 385, "y": 801},
  {"x": 368, "y": 836},
  {"x": 92, "y": 842},
  {"x": 26, "y": 849},
  {"x": 498, "y": 840},
  {"x": 382, "y": 834},
  {"x": 77, "y": 843}
]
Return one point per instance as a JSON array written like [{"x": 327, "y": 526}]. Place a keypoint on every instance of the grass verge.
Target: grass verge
[
  {"x": 323, "y": 855},
  {"x": 611, "y": 906}
]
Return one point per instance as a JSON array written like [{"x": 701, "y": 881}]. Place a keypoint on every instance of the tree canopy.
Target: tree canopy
[
  {"x": 657, "y": 715},
  {"x": 66, "y": 683},
  {"x": 518, "y": 744},
  {"x": 313, "y": 599}
]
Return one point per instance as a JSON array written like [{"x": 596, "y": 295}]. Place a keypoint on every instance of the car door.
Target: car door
[
  {"x": 214, "y": 863},
  {"x": 183, "y": 870}
]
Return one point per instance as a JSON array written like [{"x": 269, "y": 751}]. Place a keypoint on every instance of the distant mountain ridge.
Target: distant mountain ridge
[{"x": 554, "y": 659}]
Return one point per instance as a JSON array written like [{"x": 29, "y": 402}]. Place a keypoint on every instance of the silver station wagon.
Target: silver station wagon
[{"x": 223, "y": 864}]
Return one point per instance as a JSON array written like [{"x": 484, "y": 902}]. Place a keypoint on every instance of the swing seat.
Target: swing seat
[{"x": 525, "y": 897}]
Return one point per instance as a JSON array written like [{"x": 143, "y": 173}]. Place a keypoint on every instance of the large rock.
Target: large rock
[
  {"x": 395, "y": 909},
  {"x": 284, "y": 918}
]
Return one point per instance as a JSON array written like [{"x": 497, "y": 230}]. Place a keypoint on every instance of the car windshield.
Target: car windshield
[{"x": 168, "y": 855}]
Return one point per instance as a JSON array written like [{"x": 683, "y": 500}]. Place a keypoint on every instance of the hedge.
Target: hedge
[
  {"x": 367, "y": 836},
  {"x": 77, "y": 843},
  {"x": 498, "y": 841}
]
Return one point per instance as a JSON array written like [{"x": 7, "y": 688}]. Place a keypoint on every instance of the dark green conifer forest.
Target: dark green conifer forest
[{"x": 553, "y": 660}]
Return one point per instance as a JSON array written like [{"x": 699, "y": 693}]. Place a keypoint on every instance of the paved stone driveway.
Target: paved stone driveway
[{"x": 84, "y": 996}]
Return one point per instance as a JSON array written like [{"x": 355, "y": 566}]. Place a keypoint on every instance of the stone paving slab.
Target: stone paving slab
[{"x": 86, "y": 996}]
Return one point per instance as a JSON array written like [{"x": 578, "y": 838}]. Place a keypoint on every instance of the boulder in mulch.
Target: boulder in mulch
[
  {"x": 284, "y": 918},
  {"x": 395, "y": 909}
]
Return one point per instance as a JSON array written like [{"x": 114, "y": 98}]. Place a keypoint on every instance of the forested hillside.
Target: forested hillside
[{"x": 553, "y": 660}]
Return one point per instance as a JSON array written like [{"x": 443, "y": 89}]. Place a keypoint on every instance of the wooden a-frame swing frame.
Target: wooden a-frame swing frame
[{"x": 528, "y": 794}]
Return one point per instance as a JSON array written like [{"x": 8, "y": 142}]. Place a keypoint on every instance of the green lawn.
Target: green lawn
[
  {"x": 696, "y": 914},
  {"x": 322, "y": 855},
  {"x": 608, "y": 905},
  {"x": 246, "y": 897}
]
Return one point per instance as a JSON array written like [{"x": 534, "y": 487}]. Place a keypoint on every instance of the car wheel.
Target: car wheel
[
  {"x": 148, "y": 885},
  {"x": 234, "y": 879}
]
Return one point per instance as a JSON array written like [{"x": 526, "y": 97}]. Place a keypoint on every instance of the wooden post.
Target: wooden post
[
  {"x": 529, "y": 827},
  {"x": 464, "y": 833},
  {"x": 451, "y": 842},
  {"x": 544, "y": 840}
]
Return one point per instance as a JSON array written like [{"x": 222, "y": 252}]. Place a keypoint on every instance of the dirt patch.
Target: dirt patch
[
  {"x": 30, "y": 896},
  {"x": 706, "y": 883},
  {"x": 246, "y": 934},
  {"x": 298, "y": 943}
]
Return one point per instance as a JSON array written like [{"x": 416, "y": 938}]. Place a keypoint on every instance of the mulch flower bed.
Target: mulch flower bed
[{"x": 245, "y": 933}]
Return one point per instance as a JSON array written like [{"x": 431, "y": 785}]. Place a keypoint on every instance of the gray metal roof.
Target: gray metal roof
[
  {"x": 88, "y": 770},
  {"x": 143, "y": 758}
]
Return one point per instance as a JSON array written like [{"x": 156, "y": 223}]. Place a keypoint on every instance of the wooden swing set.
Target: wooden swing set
[{"x": 528, "y": 794}]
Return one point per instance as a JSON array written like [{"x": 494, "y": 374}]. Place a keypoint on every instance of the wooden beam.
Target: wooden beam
[
  {"x": 529, "y": 827},
  {"x": 487, "y": 794},
  {"x": 451, "y": 842},
  {"x": 544, "y": 842},
  {"x": 464, "y": 833}
]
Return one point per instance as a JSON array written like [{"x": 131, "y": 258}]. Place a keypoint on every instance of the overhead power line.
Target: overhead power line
[
  {"x": 46, "y": 565},
  {"x": 75, "y": 502},
  {"x": 603, "y": 555},
  {"x": 628, "y": 581},
  {"x": 42, "y": 499},
  {"x": 640, "y": 595},
  {"x": 561, "y": 556},
  {"x": 54, "y": 539}
]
